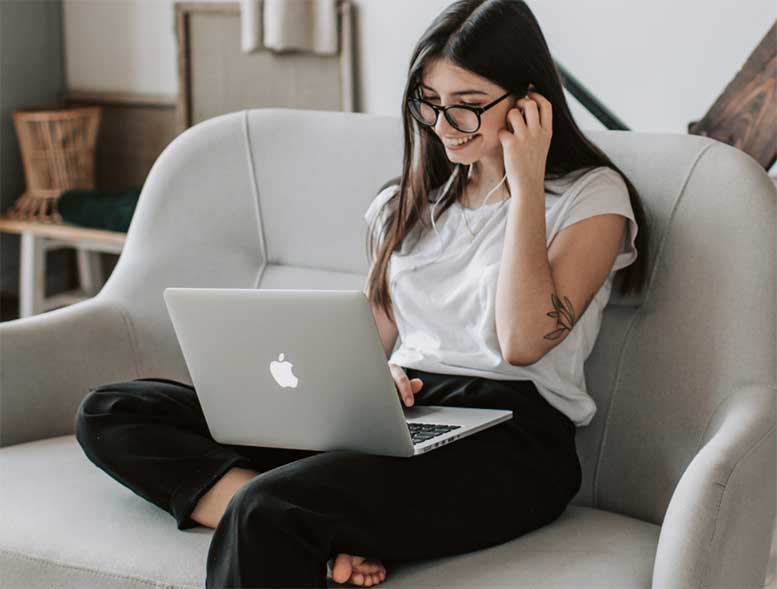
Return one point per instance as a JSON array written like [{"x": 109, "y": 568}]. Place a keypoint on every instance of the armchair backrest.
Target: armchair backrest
[{"x": 274, "y": 198}]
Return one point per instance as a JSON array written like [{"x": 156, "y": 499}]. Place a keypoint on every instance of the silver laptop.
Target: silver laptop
[{"x": 304, "y": 369}]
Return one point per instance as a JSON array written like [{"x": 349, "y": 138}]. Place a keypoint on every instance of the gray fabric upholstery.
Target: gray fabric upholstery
[
  {"x": 74, "y": 527},
  {"x": 679, "y": 461}
]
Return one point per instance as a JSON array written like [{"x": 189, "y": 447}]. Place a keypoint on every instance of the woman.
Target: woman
[{"x": 497, "y": 306}]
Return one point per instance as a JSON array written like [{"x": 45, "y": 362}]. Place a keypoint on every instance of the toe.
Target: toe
[
  {"x": 341, "y": 570},
  {"x": 369, "y": 566}
]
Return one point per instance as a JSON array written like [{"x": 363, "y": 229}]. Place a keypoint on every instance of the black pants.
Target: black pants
[{"x": 305, "y": 507}]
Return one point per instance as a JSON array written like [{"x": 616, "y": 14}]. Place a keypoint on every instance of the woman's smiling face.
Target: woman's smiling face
[{"x": 445, "y": 84}]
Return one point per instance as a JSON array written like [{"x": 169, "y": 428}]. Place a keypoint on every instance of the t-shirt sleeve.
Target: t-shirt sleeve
[{"x": 604, "y": 191}]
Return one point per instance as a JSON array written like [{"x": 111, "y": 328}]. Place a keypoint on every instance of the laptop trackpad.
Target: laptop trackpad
[{"x": 429, "y": 414}]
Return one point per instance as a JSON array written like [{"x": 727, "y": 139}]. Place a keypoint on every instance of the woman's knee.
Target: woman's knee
[
  {"x": 93, "y": 413},
  {"x": 566, "y": 488},
  {"x": 141, "y": 396},
  {"x": 101, "y": 401},
  {"x": 104, "y": 404}
]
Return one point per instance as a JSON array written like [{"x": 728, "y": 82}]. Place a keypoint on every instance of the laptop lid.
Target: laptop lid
[{"x": 289, "y": 368}]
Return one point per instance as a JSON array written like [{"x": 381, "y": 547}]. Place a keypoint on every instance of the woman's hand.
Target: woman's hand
[
  {"x": 405, "y": 386},
  {"x": 525, "y": 143}
]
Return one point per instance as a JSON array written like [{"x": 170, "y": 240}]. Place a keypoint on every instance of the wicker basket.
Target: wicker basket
[{"x": 58, "y": 153}]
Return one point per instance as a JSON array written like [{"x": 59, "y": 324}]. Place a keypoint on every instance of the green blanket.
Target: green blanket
[{"x": 110, "y": 209}]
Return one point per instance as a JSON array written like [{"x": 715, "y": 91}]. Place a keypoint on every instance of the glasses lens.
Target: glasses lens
[
  {"x": 463, "y": 119},
  {"x": 423, "y": 113}
]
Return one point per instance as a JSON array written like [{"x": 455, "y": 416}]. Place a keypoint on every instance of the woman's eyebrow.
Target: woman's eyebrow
[{"x": 458, "y": 93}]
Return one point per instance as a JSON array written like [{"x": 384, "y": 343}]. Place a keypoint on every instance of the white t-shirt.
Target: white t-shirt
[{"x": 444, "y": 304}]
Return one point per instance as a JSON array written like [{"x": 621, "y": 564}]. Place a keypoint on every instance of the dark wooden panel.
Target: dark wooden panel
[
  {"x": 131, "y": 137},
  {"x": 135, "y": 129},
  {"x": 745, "y": 114}
]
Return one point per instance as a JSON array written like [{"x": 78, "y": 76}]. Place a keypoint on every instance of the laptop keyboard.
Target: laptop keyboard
[{"x": 420, "y": 432}]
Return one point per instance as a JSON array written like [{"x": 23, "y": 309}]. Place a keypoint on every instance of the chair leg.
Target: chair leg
[
  {"x": 32, "y": 274},
  {"x": 90, "y": 272}
]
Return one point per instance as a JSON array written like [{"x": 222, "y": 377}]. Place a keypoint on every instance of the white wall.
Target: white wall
[{"x": 657, "y": 65}]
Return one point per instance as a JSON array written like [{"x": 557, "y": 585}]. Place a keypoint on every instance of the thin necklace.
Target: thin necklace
[{"x": 464, "y": 215}]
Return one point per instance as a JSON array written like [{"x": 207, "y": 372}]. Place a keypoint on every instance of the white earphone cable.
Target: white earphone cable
[{"x": 444, "y": 191}]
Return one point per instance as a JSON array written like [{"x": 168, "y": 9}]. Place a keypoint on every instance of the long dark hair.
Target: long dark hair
[{"x": 499, "y": 40}]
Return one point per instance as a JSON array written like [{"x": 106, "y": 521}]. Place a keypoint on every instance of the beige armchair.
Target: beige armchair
[{"x": 679, "y": 461}]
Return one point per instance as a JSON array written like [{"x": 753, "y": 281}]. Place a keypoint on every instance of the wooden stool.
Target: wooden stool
[{"x": 37, "y": 239}]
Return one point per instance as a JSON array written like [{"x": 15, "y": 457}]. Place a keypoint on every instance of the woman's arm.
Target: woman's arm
[
  {"x": 542, "y": 292},
  {"x": 386, "y": 328}
]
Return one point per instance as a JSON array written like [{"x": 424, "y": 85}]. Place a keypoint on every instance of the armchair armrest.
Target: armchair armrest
[
  {"x": 718, "y": 526},
  {"x": 49, "y": 361}
]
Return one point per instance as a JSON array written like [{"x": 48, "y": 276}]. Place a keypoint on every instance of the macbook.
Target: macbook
[{"x": 304, "y": 369}]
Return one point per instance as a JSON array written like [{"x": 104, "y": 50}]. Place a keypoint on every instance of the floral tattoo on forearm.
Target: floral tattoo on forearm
[{"x": 565, "y": 315}]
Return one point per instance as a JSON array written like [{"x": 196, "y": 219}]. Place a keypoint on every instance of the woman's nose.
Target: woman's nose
[{"x": 443, "y": 127}]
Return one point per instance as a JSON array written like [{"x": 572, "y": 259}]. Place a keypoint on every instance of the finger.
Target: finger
[
  {"x": 403, "y": 386},
  {"x": 546, "y": 115},
  {"x": 531, "y": 114},
  {"x": 407, "y": 391},
  {"x": 545, "y": 109},
  {"x": 516, "y": 120}
]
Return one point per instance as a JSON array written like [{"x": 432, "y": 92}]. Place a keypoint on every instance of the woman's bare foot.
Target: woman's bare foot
[{"x": 358, "y": 570}]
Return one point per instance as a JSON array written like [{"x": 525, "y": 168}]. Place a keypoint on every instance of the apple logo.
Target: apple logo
[{"x": 281, "y": 372}]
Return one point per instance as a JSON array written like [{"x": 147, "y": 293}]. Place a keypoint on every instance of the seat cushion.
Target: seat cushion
[
  {"x": 585, "y": 548},
  {"x": 68, "y": 524}
]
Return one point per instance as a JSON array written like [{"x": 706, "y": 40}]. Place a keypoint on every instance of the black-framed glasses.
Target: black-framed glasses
[{"x": 462, "y": 117}]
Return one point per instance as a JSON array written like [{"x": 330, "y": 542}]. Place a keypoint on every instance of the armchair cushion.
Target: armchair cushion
[{"x": 72, "y": 526}]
